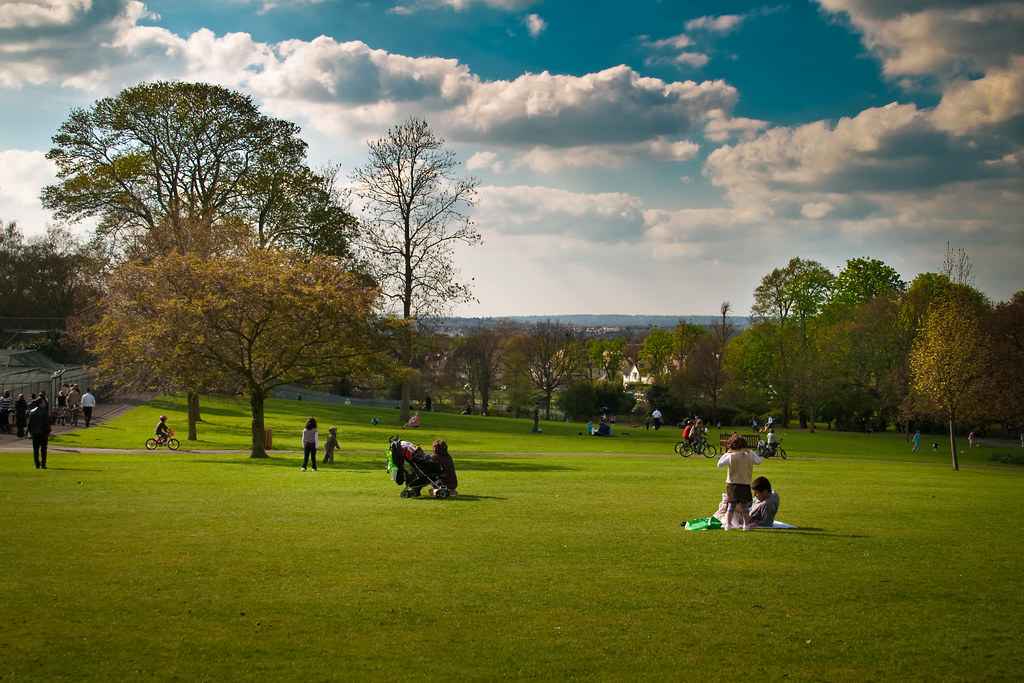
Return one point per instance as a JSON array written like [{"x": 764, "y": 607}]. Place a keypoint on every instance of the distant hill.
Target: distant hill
[{"x": 609, "y": 322}]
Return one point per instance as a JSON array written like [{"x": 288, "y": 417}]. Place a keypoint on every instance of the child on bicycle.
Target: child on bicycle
[{"x": 163, "y": 432}]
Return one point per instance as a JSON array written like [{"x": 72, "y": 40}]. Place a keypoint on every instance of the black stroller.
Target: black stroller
[{"x": 407, "y": 464}]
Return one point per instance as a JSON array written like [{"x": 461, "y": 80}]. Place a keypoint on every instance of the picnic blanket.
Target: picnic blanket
[{"x": 712, "y": 523}]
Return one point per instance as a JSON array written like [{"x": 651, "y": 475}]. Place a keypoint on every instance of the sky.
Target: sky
[{"x": 649, "y": 157}]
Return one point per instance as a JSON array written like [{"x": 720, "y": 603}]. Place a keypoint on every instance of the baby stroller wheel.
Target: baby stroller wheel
[
  {"x": 404, "y": 493},
  {"x": 441, "y": 493}
]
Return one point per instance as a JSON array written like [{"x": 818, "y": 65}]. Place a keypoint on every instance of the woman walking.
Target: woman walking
[{"x": 309, "y": 442}]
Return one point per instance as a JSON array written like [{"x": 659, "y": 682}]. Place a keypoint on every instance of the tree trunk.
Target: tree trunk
[
  {"x": 952, "y": 445},
  {"x": 193, "y": 415},
  {"x": 547, "y": 405},
  {"x": 256, "y": 398},
  {"x": 407, "y": 375},
  {"x": 485, "y": 401}
]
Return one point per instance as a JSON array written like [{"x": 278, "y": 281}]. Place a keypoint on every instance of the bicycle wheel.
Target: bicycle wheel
[
  {"x": 173, "y": 444},
  {"x": 782, "y": 453},
  {"x": 711, "y": 451},
  {"x": 151, "y": 444},
  {"x": 681, "y": 449}
]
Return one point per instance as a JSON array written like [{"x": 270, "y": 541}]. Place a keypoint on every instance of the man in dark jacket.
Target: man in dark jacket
[
  {"x": 39, "y": 428},
  {"x": 21, "y": 414}
]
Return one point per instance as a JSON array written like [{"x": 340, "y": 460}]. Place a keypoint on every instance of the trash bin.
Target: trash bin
[{"x": 268, "y": 439}]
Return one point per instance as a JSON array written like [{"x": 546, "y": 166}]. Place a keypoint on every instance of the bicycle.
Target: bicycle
[
  {"x": 703, "y": 447},
  {"x": 776, "y": 451},
  {"x": 153, "y": 443}
]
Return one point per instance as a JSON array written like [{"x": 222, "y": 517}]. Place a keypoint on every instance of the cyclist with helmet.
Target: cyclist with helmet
[{"x": 163, "y": 432}]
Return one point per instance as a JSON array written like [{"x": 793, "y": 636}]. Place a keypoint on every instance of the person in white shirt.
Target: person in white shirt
[
  {"x": 656, "y": 418},
  {"x": 309, "y": 443},
  {"x": 88, "y": 403},
  {"x": 740, "y": 460}
]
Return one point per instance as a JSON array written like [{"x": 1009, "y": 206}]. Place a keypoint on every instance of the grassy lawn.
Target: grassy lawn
[{"x": 562, "y": 557}]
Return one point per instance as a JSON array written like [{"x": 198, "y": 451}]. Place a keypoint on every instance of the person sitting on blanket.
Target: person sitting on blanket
[
  {"x": 763, "y": 511},
  {"x": 413, "y": 422}
]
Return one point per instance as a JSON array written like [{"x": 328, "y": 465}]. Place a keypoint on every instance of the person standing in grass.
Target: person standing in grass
[
  {"x": 309, "y": 443},
  {"x": 88, "y": 403},
  {"x": 917, "y": 441},
  {"x": 740, "y": 460},
  {"x": 39, "y": 428},
  {"x": 21, "y": 415},
  {"x": 5, "y": 412},
  {"x": 330, "y": 445}
]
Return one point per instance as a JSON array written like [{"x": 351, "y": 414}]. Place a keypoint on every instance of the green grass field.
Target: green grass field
[{"x": 561, "y": 558}]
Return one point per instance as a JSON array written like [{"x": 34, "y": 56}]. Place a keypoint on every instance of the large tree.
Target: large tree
[
  {"x": 416, "y": 212},
  {"x": 551, "y": 359},
  {"x": 950, "y": 362},
  {"x": 788, "y": 299},
  {"x": 478, "y": 359},
  {"x": 166, "y": 166},
  {"x": 863, "y": 279},
  {"x": 247, "y": 324}
]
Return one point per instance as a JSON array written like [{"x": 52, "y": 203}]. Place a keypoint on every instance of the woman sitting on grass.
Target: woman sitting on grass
[
  {"x": 447, "y": 465},
  {"x": 763, "y": 512}
]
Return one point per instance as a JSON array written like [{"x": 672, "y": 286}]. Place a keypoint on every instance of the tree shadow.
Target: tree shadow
[
  {"x": 353, "y": 465},
  {"x": 508, "y": 466},
  {"x": 811, "y": 531},
  {"x": 468, "y": 497},
  {"x": 75, "y": 469}
]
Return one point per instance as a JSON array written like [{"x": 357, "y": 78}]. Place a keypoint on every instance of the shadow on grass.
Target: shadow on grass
[
  {"x": 811, "y": 531},
  {"x": 455, "y": 499},
  {"x": 375, "y": 465},
  {"x": 74, "y": 469},
  {"x": 295, "y": 463}
]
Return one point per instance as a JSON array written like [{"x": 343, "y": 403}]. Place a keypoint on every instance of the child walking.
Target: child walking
[
  {"x": 330, "y": 445},
  {"x": 309, "y": 443}
]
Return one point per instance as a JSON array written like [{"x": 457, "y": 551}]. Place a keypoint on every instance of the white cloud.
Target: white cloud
[
  {"x": 996, "y": 98},
  {"x": 460, "y": 5},
  {"x": 485, "y": 161},
  {"x": 535, "y": 24},
  {"x": 721, "y": 127},
  {"x": 545, "y": 159},
  {"x": 694, "y": 60},
  {"x": 26, "y": 14},
  {"x": 936, "y": 37},
  {"x": 613, "y": 106},
  {"x": 677, "y": 42},
  {"x": 724, "y": 23},
  {"x": 522, "y": 210},
  {"x": 23, "y": 173}
]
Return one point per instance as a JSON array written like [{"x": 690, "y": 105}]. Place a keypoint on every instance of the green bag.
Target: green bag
[{"x": 703, "y": 524}]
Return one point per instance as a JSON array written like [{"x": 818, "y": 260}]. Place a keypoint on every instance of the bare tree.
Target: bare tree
[
  {"x": 478, "y": 359},
  {"x": 551, "y": 359},
  {"x": 416, "y": 212},
  {"x": 957, "y": 266}
]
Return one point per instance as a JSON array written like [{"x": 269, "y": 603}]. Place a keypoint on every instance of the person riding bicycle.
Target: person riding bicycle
[
  {"x": 687, "y": 428},
  {"x": 770, "y": 443},
  {"x": 163, "y": 432},
  {"x": 696, "y": 431}
]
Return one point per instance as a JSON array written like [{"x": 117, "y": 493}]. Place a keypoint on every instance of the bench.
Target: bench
[{"x": 751, "y": 439}]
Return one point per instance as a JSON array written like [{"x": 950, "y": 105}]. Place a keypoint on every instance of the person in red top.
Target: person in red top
[{"x": 686, "y": 430}]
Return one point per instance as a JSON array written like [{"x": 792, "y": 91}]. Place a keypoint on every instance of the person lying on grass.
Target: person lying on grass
[
  {"x": 762, "y": 513},
  {"x": 740, "y": 460}
]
